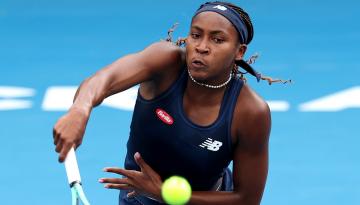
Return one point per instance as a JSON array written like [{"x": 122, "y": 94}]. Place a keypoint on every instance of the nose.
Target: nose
[{"x": 202, "y": 47}]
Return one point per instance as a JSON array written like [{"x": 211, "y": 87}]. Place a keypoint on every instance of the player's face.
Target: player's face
[{"x": 212, "y": 47}]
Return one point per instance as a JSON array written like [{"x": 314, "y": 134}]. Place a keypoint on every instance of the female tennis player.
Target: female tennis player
[{"x": 193, "y": 114}]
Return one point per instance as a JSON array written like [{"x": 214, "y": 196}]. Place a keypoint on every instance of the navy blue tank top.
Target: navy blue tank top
[{"x": 173, "y": 145}]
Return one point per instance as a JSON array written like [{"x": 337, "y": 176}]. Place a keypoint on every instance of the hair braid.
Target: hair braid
[{"x": 246, "y": 64}]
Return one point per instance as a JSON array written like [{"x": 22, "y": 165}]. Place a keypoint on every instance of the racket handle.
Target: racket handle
[{"x": 71, "y": 166}]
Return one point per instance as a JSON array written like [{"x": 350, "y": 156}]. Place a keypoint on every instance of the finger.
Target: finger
[
  {"x": 124, "y": 172},
  {"x": 56, "y": 139},
  {"x": 55, "y": 136},
  {"x": 65, "y": 149},
  {"x": 131, "y": 194},
  {"x": 59, "y": 146},
  {"x": 115, "y": 180},
  {"x": 142, "y": 164},
  {"x": 119, "y": 186},
  {"x": 78, "y": 143}
]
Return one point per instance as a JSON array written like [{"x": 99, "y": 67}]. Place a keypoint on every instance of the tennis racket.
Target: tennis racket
[{"x": 73, "y": 175}]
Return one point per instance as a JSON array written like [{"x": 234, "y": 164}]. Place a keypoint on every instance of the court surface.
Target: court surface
[{"x": 48, "y": 47}]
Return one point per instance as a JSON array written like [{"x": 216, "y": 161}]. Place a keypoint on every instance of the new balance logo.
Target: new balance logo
[
  {"x": 222, "y": 8},
  {"x": 211, "y": 145}
]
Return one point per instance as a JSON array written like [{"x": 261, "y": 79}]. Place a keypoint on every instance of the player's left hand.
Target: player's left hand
[{"x": 145, "y": 182}]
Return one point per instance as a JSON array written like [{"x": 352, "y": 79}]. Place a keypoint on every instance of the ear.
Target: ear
[{"x": 240, "y": 51}]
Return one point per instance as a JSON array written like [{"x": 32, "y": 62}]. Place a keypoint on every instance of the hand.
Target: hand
[
  {"x": 69, "y": 131},
  {"x": 146, "y": 182}
]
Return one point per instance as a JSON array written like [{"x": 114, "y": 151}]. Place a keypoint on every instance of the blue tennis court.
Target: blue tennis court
[{"x": 48, "y": 47}]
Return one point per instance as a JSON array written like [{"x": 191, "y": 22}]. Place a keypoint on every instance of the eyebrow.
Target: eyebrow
[{"x": 211, "y": 32}]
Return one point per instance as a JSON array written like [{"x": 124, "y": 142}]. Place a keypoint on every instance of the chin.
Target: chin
[{"x": 198, "y": 74}]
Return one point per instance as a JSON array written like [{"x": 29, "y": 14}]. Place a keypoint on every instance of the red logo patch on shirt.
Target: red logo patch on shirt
[{"x": 164, "y": 116}]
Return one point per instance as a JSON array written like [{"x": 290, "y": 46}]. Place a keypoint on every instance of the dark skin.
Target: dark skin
[{"x": 213, "y": 41}]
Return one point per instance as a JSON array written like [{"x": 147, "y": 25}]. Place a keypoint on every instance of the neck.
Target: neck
[
  {"x": 204, "y": 95},
  {"x": 209, "y": 85}
]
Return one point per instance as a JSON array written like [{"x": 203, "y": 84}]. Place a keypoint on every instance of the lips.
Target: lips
[{"x": 198, "y": 63}]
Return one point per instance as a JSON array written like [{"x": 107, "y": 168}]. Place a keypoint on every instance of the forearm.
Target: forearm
[
  {"x": 110, "y": 80},
  {"x": 69, "y": 130},
  {"x": 222, "y": 197},
  {"x": 90, "y": 93}
]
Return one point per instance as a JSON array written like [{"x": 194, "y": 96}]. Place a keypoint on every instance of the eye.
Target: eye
[
  {"x": 218, "y": 40},
  {"x": 195, "y": 35}
]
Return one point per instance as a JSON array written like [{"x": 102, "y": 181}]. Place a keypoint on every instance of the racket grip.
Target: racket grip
[{"x": 72, "y": 169}]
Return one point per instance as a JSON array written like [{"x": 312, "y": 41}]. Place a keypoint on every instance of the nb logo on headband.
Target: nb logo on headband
[{"x": 222, "y": 8}]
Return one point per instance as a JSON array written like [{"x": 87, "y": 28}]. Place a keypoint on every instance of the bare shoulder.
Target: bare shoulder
[
  {"x": 164, "y": 62},
  {"x": 252, "y": 104},
  {"x": 163, "y": 47},
  {"x": 162, "y": 54},
  {"x": 252, "y": 118}
]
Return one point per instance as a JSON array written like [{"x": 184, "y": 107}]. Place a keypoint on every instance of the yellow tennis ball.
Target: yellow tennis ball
[{"x": 176, "y": 190}]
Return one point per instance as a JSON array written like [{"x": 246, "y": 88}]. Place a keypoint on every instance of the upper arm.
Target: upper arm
[
  {"x": 140, "y": 67},
  {"x": 250, "y": 162}
]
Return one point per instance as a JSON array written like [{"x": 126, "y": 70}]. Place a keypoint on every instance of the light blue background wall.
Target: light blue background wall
[{"x": 314, "y": 156}]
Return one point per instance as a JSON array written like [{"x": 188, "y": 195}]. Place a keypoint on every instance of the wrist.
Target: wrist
[
  {"x": 82, "y": 109},
  {"x": 158, "y": 195}
]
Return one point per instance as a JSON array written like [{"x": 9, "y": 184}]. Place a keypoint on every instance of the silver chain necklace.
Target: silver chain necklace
[{"x": 210, "y": 86}]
